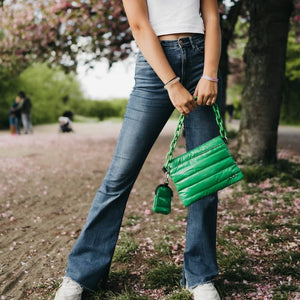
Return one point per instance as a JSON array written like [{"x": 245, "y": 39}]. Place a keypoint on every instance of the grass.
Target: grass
[
  {"x": 286, "y": 172},
  {"x": 125, "y": 250},
  {"x": 180, "y": 295},
  {"x": 166, "y": 276},
  {"x": 257, "y": 231},
  {"x": 163, "y": 247}
]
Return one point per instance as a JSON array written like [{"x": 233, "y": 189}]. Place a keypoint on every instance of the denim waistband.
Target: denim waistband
[{"x": 190, "y": 41}]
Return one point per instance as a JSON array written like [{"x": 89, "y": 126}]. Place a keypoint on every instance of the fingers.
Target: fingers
[
  {"x": 211, "y": 100},
  {"x": 188, "y": 107},
  {"x": 205, "y": 99},
  {"x": 206, "y": 92}
]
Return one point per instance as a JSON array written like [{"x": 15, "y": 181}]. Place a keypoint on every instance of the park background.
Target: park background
[{"x": 48, "y": 179}]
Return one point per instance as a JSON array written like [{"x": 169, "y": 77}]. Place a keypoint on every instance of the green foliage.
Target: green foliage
[
  {"x": 101, "y": 109},
  {"x": 292, "y": 71},
  {"x": 8, "y": 90},
  {"x": 234, "y": 95},
  {"x": 51, "y": 92},
  {"x": 240, "y": 39},
  {"x": 291, "y": 99}
]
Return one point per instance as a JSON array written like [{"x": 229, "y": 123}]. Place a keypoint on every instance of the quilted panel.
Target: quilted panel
[{"x": 203, "y": 171}]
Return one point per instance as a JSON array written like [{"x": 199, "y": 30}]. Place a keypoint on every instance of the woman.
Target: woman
[{"x": 170, "y": 72}]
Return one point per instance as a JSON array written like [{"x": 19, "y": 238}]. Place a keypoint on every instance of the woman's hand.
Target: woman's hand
[
  {"x": 181, "y": 98},
  {"x": 206, "y": 92}
]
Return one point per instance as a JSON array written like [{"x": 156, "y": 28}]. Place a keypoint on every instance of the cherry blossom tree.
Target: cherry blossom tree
[
  {"x": 40, "y": 30},
  {"x": 61, "y": 31}
]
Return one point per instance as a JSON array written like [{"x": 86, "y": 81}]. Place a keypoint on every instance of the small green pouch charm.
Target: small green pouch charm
[{"x": 162, "y": 199}]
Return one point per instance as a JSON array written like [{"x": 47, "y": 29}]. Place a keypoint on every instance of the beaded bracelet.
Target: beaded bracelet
[
  {"x": 210, "y": 78},
  {"x": 171, "y": 82}
]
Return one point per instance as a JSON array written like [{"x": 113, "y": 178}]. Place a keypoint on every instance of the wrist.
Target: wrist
[
  {"x": 171, "y": 82},
  {"x": 209, "y": 78},
  {"x": 174, "y": 87}
]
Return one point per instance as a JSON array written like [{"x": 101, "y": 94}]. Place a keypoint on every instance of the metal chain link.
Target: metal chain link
[{"x": 173, "y": 144}]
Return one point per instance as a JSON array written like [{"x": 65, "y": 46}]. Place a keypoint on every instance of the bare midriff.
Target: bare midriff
[{"x": 174, "y": 36}]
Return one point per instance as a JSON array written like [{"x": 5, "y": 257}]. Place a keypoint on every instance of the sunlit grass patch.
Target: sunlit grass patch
[
  {"x": 163, "y": 247},
  {"x": 232, "y": 227},
  {"x": 180, "y": 295},
  {"x": 127, "y": 295},
  {"x": 131, "y": 220},
  {"x": 231, "y": 256},
  {"x": 125, "y": 250},
  {"x": 109, "y": 295},
  {"x": 166, "y": 276}
]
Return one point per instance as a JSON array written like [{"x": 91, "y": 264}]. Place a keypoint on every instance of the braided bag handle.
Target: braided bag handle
[{"x": 173, "y": 144}]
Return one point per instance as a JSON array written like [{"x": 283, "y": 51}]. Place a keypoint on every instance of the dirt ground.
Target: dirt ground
[{"x": 47, "y": 183}]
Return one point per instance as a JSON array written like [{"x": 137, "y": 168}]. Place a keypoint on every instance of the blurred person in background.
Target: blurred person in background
[{"x": 25, "y": 112}]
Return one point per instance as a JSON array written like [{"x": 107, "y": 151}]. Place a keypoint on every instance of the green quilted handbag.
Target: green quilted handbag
[{"x": 203, "y": 170}]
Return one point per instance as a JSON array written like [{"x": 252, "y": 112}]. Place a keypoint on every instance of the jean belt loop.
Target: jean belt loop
[
  {"x": 179, "y": 42},
  {"x": 192, "y": 42}
]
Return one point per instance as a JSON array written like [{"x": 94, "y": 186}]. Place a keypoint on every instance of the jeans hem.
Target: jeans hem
[
  {"x": 185, "y": 285},
  {"x": 85, "y": 288}
]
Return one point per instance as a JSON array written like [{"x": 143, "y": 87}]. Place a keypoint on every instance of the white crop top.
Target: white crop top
[{"x": 175, "y": 16}]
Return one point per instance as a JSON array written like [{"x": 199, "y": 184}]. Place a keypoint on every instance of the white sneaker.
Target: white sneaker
[
  {"x": 69, "y": 290},
  {"x": 206, "y": 291}
]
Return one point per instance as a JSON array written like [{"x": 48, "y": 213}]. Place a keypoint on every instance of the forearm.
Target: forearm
[
  {"x": 207, "y": 89},
  {"x": 151, "y": 48},
  {"x": 212, "y": 49}
]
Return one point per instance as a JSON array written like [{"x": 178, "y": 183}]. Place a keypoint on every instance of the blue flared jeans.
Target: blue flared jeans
[{"x": 148, "y": 110}]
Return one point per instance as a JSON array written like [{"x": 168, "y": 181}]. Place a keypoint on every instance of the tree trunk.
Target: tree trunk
[
  {"x": 227, "y": 27},
  {"x": 264, "y": 58}
]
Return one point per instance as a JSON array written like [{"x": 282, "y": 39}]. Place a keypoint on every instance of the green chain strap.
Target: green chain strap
[{"x": 173, "y": 144}]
